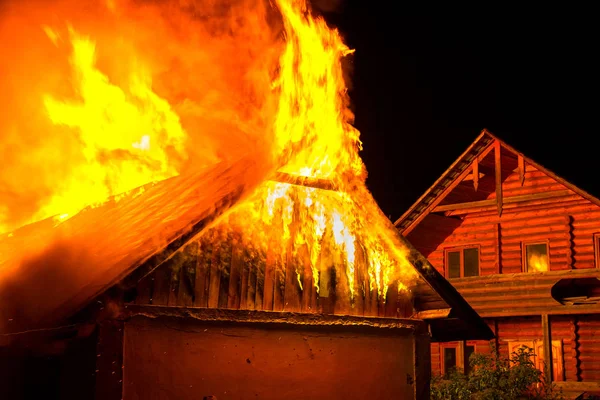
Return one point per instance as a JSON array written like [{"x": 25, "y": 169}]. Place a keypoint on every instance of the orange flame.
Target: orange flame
[
  {"x": 140, "y": 93},
  {"x": 537, "y": 262}
]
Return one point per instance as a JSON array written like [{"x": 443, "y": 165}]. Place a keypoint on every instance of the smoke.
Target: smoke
[{"x": 208, "y": 64}]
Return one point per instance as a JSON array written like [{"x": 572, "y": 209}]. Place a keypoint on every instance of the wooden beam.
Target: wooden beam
[
  {"x": 498, "y": 168},
  {"x": 475, "y": 174},
  {"x": 521, "y": 167},
  {"x": 324, "y": 184},
  {"x": 547, "y": 344},
  {"x": 464, "y": 206},
  {"x": 506, "y": 200},
  {"x": 432, "y": 314}
]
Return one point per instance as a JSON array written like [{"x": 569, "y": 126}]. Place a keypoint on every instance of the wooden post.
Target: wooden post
[
  {"x": 521, "y": 162},
  {"x": 547, "y": 345},
  {"x": 498, "y": 171},
  {"x": 461, "y": 356},
  {"x": 476, "y": 174}
]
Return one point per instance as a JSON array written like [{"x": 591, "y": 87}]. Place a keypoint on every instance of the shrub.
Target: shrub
[{"x": 493, "y": 377}]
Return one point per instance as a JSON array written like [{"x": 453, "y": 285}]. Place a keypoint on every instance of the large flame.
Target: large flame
[{"x": 144, "y": 90}]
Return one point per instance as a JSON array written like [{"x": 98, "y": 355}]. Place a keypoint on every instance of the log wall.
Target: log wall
[
  {"x": 565, "y": 220},
  {"x": 560, "y": 217}
]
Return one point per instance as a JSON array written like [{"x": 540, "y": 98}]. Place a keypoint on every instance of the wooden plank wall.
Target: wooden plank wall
[
  {"x": 223, "y": 271},
  {"x": 568, "y": 222}
]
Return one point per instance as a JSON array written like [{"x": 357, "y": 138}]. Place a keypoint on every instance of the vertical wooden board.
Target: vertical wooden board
[
  {"x": 391, "y": 301},
  {"x": 162, "y": 283},
  {"x": 405, "y": 304},
  {"x": 215, "y": 277},
  {"x": 251, "y": 292},
  {"x": 260, "y": 281},
  {"x": 342, "y": 286},
  {"x": 307, "y": 279},
  {"x": 245, "y": 270},
  {"x": 144, "y": 290},
  {"x": 279, "y": 283},
  {"x": 175, "y": 265},
  {"x": 225, "y": 269},
  {"x": 362, "y": 280},
  {"x": 187, "y": 280},
  {"x": 292, "y": 292},
  {"x": 269, "y": 285},
  {"x": 202, "y": 275},
  {"x": 109, "y": 360},
  {"x": 235, "y": 274}
]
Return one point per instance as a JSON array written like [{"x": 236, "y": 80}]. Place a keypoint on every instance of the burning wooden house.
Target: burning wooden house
[
  {"x": 229, "y": 311},
  {"x": 521, "y": 245},
  {"x": 268, "y": 272}
]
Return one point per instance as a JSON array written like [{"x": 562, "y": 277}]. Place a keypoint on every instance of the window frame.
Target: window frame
[
  {"x": 596, "y": 238},
  {"x": 461, "y": 250},
  {"x": 558, "y": 350},
  {"x": 461, "y": 364},
  {"x": 524, "y": 244}
]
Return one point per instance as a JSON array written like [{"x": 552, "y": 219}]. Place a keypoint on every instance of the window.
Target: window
[
  {"x": 453, "y": 359},
  {"x": 462, "y": 262},
  {"x": 538, "y": 350},
  {"x": 535, "y": 257}
]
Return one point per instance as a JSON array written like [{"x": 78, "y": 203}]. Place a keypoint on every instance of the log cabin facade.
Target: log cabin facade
[{"x": 522, "y": 246}]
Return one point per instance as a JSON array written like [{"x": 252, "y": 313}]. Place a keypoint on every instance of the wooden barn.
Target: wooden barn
[
  {"x": 522, "y": 246},
  {"x": 176, "y": 310}
]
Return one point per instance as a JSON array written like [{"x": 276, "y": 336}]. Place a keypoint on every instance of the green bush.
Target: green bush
[{"x": 493, "y": 377}]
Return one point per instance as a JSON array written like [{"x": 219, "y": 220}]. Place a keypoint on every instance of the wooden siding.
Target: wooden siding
[
  {"x": 567, "y": 222},
  {"x": 219, "y": 271},
  {"x": 536, "y": 207}
]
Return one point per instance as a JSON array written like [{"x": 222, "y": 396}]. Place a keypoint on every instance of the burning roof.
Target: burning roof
[{"x": 138, "y": 122}]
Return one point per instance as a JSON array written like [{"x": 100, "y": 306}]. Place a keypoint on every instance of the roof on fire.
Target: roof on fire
[{"x": 98, "y": 248}]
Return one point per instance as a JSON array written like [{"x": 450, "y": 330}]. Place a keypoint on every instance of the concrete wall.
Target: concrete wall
[{"x": 168, "y": 358}]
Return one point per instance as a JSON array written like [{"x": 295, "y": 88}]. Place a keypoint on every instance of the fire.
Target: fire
[
  {"x": 136, "y": 118},
  {"x": 315, "y": 139},
  {"x": 139, "y": 94},
  {"x": 537, "y": 262}
]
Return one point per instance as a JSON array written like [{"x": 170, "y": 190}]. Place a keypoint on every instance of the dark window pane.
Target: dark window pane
[
  {"x": 468, "y": 351},
  {"x": 471, "y": 262},
  {"x": 449, "y": 359},
  {"x": 453, "y": 264},
  {"x": 536, "y": 257}
]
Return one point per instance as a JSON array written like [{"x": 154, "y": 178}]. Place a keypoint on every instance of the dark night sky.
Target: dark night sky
[{"x": 424, "y": 86}]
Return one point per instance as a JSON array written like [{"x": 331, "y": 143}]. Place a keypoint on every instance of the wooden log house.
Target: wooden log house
[
  {"x": 522, "y": 246},
  {"x": 201, "y": 314}
]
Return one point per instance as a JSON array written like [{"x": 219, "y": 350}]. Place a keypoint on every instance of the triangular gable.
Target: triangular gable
[{"x": 468, "y": 168}]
